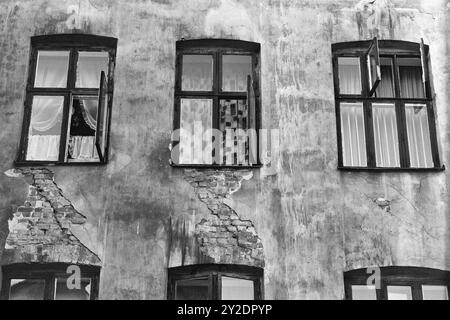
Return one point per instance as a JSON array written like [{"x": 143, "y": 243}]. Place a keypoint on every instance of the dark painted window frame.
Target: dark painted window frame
[
  {"x": 216, "y": 48},
  {"x": 398, "y": 276},
  {"x": 47, "y": 272},
  {"x": 215, "y": 272},
  {"x": 391, "y": 48},
  {"x": 72, "y": 43}
]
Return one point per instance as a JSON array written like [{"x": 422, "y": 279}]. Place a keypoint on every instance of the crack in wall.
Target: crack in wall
[
  {"x": 224, "y": 237},
  {"x": 40, "y": 228}
]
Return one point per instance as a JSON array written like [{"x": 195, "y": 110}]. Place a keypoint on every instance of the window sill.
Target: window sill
[
  {"x": 55, "y": 164},
  {"x": 435, "y": 169},
  {"x": 213, "y": 166}
]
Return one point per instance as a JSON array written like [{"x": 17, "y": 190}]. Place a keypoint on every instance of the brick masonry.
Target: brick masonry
[
  {"x": 224, "y": 237},
  {"x": 40, "y": 228}
]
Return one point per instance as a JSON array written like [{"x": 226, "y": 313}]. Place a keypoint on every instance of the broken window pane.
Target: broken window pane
[
  {"x": 411, "y": 85},
  {"x": 45, "y": 128},
  {"x": 399, "y": 293},
  {"x": 192, "y": 289},
  {"x": 65, "y": 290},
  {"x": 197, "y": 73},
  {"x": 237, "y": 289},
  {"x": 419, "y": 142},
  {"x": 51, "y": 69},
  {"x": 364, "y": 293},
  {"x": 27, "y": 289},
  {"x": 235, "y": 69},
  {"x": 434, "y": 292},
  {"x": 90, "y": 65},
  {"x": 349, "y": 75},
  {"x": 195, "y": 131},
  {"x": 353, "y": 135},
  {"x": 385, "y": 88},
  {"x": 385, "y": 135}
]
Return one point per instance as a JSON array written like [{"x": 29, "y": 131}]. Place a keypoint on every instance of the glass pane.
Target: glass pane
[
  {"x": 83, "y": 124},
  {"x": 385, "y": 132},
  {"x": 89, "y": 67},
  {"x": 51, "y": 69},
  {"x": 364, "y": 293},
  {"x": 45, "y": 128},
  {"x": 69, "y": 291},
  {"x": 235, "y": 70},
  {"x": 197, "y": 73},
  {"x": 353, "y": 135},
  {"x": 419, "y": 142},
  {"x": 386, "y": 86},
  {"x": 399, "y": 293},
  {"x": 349, "y": 75},
  {"x": 27, "y": 289},
  {"x": 237, "y": 289},
  {"x": 192, "y": 289},
  {"x": 195, "y": 131},
  {"x": 434, "y": 293},
  {"x": 411, "y": 85}
]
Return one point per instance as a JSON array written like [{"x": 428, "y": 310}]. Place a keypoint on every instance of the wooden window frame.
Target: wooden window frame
[
  {"x": 413, "y": 277},
  {"x": 48, "y": 272},
  {"x": 72, "y": 43},
  {"x": 215, "y": 272},
  {"x": 393, "y": 49},
  {"x": 216, "y": 48}
]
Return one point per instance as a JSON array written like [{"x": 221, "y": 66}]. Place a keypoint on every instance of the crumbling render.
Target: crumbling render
[
  {"x": 224, "y": 237},
  {"x": 40, "y": 229}
]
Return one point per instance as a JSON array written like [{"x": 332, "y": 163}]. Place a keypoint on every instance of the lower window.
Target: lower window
[{"x": 215, "y": 282}]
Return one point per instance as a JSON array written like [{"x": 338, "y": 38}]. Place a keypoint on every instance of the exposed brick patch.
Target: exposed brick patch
[
  {"x": 224, "y": 237},
  {"x": 39, "y": 229}
]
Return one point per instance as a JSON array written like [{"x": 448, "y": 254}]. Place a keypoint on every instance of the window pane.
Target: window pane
[
  {"x": 399, "y": 293},
  {"x": 83, "y": 124},
  {"x": 197, "y": 73},
  {"x": 385, "y": 132},
  {"x": 65, "y": 291},
  {"x": 418, "y": 136},
  {"x": 353, "y": 135},
  {"x": 434, "y": 293},
  {"x": 349, "y": 75},
  {"x": 411, "y": 85},
  {"x": 27, "y": 289},
  {"x": 195, "y": 131},
  {"x": 237, "y": 289},
  {"x": 51, "y": 69},
  {"x": 45, "y": 128},
  {"x": 192, "y": 289},
  {"x": 235, "y": 69},
  {"x": 386, "y": 86},
  {"x": 364, "y": 293},
  {"x": 89, "y": 67}
]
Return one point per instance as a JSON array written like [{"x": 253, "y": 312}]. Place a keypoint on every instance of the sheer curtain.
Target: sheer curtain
[
  {"x": 349, "y": 75},
  {"x": 235, "y": 70},
  {"x": 385, "y": 134},
  {"x": 353, "y": 135},
  {"x": 411, "y": 85},
  {"x": 197, "y": 73},
  {"x": 51, "y": 69},
  {"x": 386, "y": 86},
  {"x": 419, "y": 142},
  {"x": 45, "y": 128},
  {"x": 89, "y": 67}
]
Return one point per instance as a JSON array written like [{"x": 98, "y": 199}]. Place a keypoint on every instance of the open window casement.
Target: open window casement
[
  {"x": 424, "y": 61},
  {"x": 251, "y": 132},
  {"x": 373, "y": 66},
  {"x": 100, "y": 132}
]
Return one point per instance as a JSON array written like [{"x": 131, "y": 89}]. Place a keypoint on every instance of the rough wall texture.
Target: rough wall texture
[{"x": 313, "y": 221}]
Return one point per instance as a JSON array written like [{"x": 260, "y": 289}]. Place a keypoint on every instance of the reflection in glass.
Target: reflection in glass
[
  {"x": 66, "y": 291},
  {"x": 349, "y": 75},
  {"x": 192, "y": 289},
  {"x": 45, "y": 128},
  {"x": 197, "y": 73},
  {"x": 353, "y": 135},
  {"x": 27, "y": 289},
  {"x": 385, "y": 134},
  {"x": 237, "y": 289},
  {"x": 434, "y": 292},
  {"x": 399, "y": 293},
  {"x": 364, "y": 293},
  {"x": 385, "y": 88},
  {"x": 90, "y": 65},
  {"x": 235, "y": 70},
  {"x": 51, "y": 69},
  {"x": 419, "y": 142},
  {"x": 411, "y": 85}
]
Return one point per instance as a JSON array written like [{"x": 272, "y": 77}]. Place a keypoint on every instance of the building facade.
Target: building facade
[{"x": 327, "y": 194}]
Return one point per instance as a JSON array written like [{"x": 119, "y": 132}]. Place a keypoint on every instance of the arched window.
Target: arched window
[
  {"x": 215, "y": 282},
  {"x": 397, "y": 283},
  {"x": 384, "y": 106}
]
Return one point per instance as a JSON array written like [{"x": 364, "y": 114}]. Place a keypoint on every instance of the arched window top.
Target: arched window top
[
  {"x": 73, "y": 40},
  {"x": 218, "y": 43},
  {"x": 387, "y": 46}
]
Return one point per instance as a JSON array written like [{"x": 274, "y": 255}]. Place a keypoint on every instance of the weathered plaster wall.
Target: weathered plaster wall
[{"x": 310, "y": 221}]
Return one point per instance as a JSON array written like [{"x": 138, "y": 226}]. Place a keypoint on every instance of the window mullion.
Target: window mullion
[
  {"x": 370, "y": 141},
  {"x": 65, "y": 128},
  {"x": 402, "y": 134}
]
